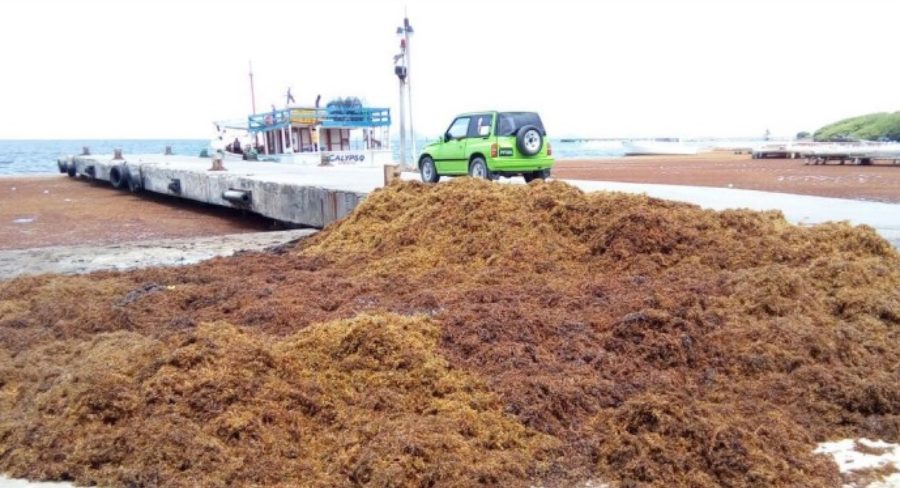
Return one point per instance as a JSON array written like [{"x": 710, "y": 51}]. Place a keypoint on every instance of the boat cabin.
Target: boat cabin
[{"x": 335, "y": 135}]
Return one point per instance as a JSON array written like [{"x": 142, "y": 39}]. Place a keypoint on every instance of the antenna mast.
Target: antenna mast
[
  {"x": 252, "y": 91},
  {"x": 407, "y": 32},
  {"x": 402, "y": 72}
]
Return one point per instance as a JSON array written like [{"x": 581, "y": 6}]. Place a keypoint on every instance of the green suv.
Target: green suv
[{"x": 488, "y": 145}]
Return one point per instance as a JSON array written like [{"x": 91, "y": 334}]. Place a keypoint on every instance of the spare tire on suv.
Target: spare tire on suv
[{"x": 529, "y": 140}]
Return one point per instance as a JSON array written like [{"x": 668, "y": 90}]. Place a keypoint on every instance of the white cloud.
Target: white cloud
[{"x": 110, "y": 69}]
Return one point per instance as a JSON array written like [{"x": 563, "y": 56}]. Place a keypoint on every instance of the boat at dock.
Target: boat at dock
[{"x": 341, "y": 134}]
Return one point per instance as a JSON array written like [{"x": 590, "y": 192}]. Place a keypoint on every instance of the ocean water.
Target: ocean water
[
  {"x": 587, "y": 149},
  {"x": 39, "y": 156}
]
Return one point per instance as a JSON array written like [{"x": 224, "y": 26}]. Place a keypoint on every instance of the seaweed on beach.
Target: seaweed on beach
[
  {"x": 590, "y": 336},
  {"x": 365, "y": 401}
]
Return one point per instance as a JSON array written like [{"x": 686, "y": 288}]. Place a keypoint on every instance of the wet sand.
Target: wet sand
[
  {"x": 78, "y": 259},
  {"x": 726, "y": 170},
  {"x": 54, "y": 210}
]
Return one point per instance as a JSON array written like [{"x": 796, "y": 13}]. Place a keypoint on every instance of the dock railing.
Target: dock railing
[{"x": 353, "y": 117}]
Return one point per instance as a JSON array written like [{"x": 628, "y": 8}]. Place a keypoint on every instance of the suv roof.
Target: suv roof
[
  {"x": 510, "y": 121},
  {"x": 476, "y": 112}
]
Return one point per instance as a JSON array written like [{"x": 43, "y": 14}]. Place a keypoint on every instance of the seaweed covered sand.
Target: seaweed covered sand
[{"x": 463, "y": 334}]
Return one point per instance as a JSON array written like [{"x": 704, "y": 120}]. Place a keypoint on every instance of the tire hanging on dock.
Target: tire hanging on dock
[{"x": 118, "y": 176}]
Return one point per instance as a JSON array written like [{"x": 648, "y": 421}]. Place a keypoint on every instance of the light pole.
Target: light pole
[
  {"x": 405, "y": 32},
  {"x": 400, "y": 71}
]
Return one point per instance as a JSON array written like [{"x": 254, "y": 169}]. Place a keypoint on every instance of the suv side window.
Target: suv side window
[
  {"x": 481, "y": 125},
  {"x": 459, "y": 128}
]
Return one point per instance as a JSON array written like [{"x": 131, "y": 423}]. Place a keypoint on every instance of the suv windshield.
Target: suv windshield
[{"x": 510, "y": 122}]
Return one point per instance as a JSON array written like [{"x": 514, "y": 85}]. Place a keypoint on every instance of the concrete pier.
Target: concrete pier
[{"x": 309, "y": 196}]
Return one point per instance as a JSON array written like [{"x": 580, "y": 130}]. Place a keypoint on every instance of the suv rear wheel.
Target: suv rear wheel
[
  {"x": 428, "y": 171},
  {"x": 529, "y": 177},
  {"x": 478, "y": 169},
  {"x": 535, "y": 175}
]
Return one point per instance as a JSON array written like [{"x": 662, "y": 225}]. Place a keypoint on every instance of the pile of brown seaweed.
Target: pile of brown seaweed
[
  {"x": 461, "y": 334},
  {"x": 365, "y": 401}
]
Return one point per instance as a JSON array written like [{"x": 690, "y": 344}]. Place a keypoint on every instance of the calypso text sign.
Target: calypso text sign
[{"x": 344, "y": 158}]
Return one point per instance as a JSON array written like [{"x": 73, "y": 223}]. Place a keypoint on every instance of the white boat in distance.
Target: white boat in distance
[{"x": 659, "y": 146}]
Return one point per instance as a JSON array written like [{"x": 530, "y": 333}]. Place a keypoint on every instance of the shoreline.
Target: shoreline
[
  {"x": 714, "y": 169},
  {"x": 80, "y": 259},
  {"x": 12, "y": 176},
  {"x": 50, "y": 209}
]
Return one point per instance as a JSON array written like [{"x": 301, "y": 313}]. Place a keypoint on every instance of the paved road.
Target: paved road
[{"x": 797, "y": 209}]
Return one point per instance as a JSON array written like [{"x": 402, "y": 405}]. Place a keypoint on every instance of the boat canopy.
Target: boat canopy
[{"x": 341, "y": 117}]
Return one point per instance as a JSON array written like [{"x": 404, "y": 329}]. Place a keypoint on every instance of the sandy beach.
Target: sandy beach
[
  {"x": 330, "y": 255},
  {"x": 157, "y": 232},
  {"x": 395, "y": 318},
  {"x": 726, "y": 170},
  {"x": 78, "y": 259},
  {"x": 53, "y": 210}
]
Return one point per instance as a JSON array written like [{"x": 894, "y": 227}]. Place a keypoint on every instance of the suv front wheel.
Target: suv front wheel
[
  {"x": 428, "y": 171},
  {"x": 478, "y": 169}
]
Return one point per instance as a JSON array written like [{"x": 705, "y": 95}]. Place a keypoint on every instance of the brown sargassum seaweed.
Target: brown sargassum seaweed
[{"x": 463, "y": 334}]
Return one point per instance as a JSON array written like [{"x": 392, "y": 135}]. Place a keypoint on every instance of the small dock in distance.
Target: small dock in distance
[
  {"x": 307, "y": 196},
  {"x": 858, "y": 153}
]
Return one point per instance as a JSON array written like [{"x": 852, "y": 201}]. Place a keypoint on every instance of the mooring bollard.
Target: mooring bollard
[
  {"x": 391, "y": 173},
  {"x": 117, "y": 154},
  {"x": 217, "y": 162},
  {"x": 168, "y": 151},
  {"x": 85, "y": 151}
]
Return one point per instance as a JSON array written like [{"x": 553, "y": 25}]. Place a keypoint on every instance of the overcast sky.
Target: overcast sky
[{"x": 166, "y": 69}]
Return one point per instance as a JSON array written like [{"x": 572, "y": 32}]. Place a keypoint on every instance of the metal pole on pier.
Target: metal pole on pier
[
  {"x": 403, "y": 164},
  {"x": 400, "y": 71},
  {"x": 406, "y": 31}
]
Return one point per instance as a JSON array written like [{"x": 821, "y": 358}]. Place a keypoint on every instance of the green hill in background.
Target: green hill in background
[{"x": 872, "y": 127}]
